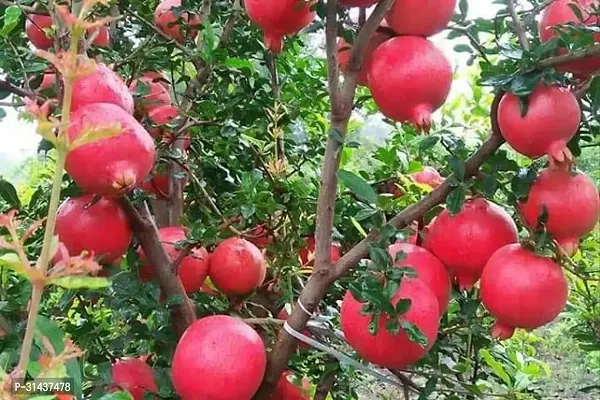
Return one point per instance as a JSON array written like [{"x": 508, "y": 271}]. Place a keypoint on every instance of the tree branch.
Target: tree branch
[
  {"x": 326, "y": 383},
  {"x": 519, "y": 29},
  {"x": 9, "y": 87},
  {"x": 573, "y": 56}
]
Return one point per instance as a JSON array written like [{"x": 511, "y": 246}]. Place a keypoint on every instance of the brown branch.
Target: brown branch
[
  {"x": 573, "y": 56},
  {"x": 325, "y": 383},
  {"x": 25, "y": 9},
  {"x": 519, "y": 29},
  {"x": 9, "y": 87}
]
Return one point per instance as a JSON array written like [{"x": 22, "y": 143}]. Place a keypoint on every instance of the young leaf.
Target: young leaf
[
  {"x": 80, "y": 282},
  {"x": 456, "y": 199},
  {"x": 9, "y": 194},
  {"x": 358, "y": 186},
  {"x": 414, "y": 333},
  {"x": 403, "y": 306},
  {"x": 12, "y": 14},
  {"x": 393, "y": 326},
  {"x": 94, "y": 133},
  {"x": 12, "y": 262}
]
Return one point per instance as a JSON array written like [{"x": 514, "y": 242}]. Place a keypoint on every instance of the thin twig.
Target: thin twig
[
  {"x": 573, "y": 56},
  {"x": 519, "y": 29}
]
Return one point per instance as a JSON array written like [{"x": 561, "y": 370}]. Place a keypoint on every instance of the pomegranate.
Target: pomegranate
[
  {"x": 307, "y": 254},
  {"x": 156, "y": 76},
  {"x": 101, "y": 86},
  {"x": 284, "y": 315},
  {"x": 345, "y": 51},
  {"x": 358, "y": 3},
  {"x": 423, "y": 312},
  {"x": 429, "y": 176},
  {"x": 48, "y": 81},
  {"x": 560, "y": 12},
  {"x": 218, "y": 358},
  {"x": 237, "y": 267},
  {"x": 170, "y": 21},
  {"x": 34, "y": 28},
  {"x": 552, "y": 119},
  {"x": 156, "y": 95},
  {"x": 420, "y": 17},
  {"x": 135, "y": 376},
  {"x": 98, "y": 227},
  {"x": 409, "y": 79},
  {"x": 279, "y": 18},
  {"x": 286, "y": 390},
  {"x": 522, "y": 290},
  {"x": 429, "y": 270},
  {"x": 102, "y": 39},
  {"x": 113, "y": 165},
  {"x": 572, "y": 203},
  {"x": 260, "y": 236},
  {"x": 159, "y": 184},
  {"x": 466, "y": 241},
  {"x": 193, "y": 269},
  {"x": 163, "y": 114}
]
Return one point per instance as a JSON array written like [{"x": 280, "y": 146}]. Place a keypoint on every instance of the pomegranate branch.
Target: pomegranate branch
[
  {"x": 576, "y": 55},
  {"x": 519, "y": 29}
]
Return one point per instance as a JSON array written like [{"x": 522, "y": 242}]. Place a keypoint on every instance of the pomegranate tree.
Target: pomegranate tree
[
  {"x": 307, "y": 254},
  {"x": 420, "y": 17},
  {"x": 409, "y": 78},
  {"x": 571, "y": 202},
  {"x": 169, "y": 19},
  {"x": 101, "y": 86},
  {"x": 134, "y": 376},
  {"x": 522, "y": 290},
  {"x": 34, "y": 28},
  {"x": 218, "y": 358},
  {"x": 466, "y": 241}
]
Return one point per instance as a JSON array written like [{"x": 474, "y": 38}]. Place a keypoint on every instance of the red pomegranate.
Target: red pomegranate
[
  {"x": 98, "y": 227},
  {"x": 102, "y": 39},
  {"x": 34, "y": 28},
  {"x": 218, "y": 358},
  {"x": 522, "y": 290},
  {"x": 155, "y": 95},
  {"x": 307, "y": 254},
  {"x": 114, "y": 165},
  {"x": 169, "y": 20},
  {"x": 420, "y": 17},
  {"x": 279, "y": 18},
  {"x": 163, "y": 114},
  {"x": 552, "y": 119},
  {"x": 237, "y": 267},
  {"x": 429, "y": 176},
  {"x": 156, "y": 76},
  {"x": 260, "y": 236},
  {"x": 135, "y": 376},
  {"x": 429, "y": 270},
  {"x": 48, "y": 81},
  {"x": 466, "y": 241},
  {"x": 358, "y": 3},
  {"x": 560, "y": 12},
  {"x": 572, "y": 202},
  {"x": 284, "y": 315},
  {"x": 286, "y": 390},
  {"x": 385, "y": 349},
  {"x": 409, "y": 79},
  {"x": 101, "y": 86},
  {"x": 158, "y": 185},
  {"x": 193, "y": 269}
]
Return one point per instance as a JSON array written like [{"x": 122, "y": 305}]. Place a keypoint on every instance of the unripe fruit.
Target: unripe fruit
[
  {"x": 237, "y": 267},
  {"x": 218, "y": 358},
  {"x": 156, "y": 95},
  {"x": 429, "y": 270},
  {"x": 385, "y": 349},
  {"x": 101, "y": 86},
  {"x": 135, "y": 376},
  {"x": 286, "y": 390},
  {"x": 358, "y": 3},
  {"x": 552, "y": 119},
  {"x": 279, "y": 18},
  {"x": 34, "y": 28},
  {"x": 420, "y": 17},
  {"x": 466, "y": 241},
  {"x": 113, "y": 165},
  {"x": 307, "y": 254},
  {"x": 98, "y": 227},
  {"x": 429, "y": 176},
  {"x": 168, "y": 20},
  {"x": 572, "y": 203},
  {"x": 102, "y": 39},
  {"x": 409, "y": 79},
  {"x": 522, "y": 290}
]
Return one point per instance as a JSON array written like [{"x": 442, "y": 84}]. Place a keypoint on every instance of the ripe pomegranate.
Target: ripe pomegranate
[
  {"x": 101, "y": 86},
  {"x": 358, "y": 3},
  {"x": 420, "y": 17},
  {"x": 423, "y": 312},
  {"x": 159, "y": 184},
  {"x": 102, "y": 39},
  {"x": 429, "y": 176},
  {"x": 572, "y": 203},
  {"x": 522, "y": 290},
  {"x": 307, "y": 254},
  {"x": 163, "y": 114},
  {"x": 237, "y": 267},
  {"x": 170, "y": 21},
  {"x": 560, "y": 12},
  {"x": 409, "y": 79},
  {"x": 260, "y": 236},
  {"x": 286, "y": 390},
  {"x": 284, "y": 315},
  {"x": 466, "y": 241},
  {"x": 279, "y": 18},
  {"x": 218, "y": 358},
  {"x": 114, "y": 165},
  {"x": 156, "y": 96},
  {"x": 98, "y": 227},
  {"x": 552, "y": 119},
  {"x": 345, "y": 51},
  {"x": 135, "y": 376},
  {"x": 429, "y": 270},
  {"x": 193, "y": 269},
  {"x": 156, "y": 76},
  {"x": 34, "y": 28}
]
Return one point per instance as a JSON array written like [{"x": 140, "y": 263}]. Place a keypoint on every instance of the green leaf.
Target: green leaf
[
  {"x": 379, "y": 256},
  {"x": 358, "y": 227},
  {"x": 463, "y": 6},
  {"x": 336, "y": 135},
  {"x": 456, "y": 199},
  {"x": 429, "y": 388},
  {"x": 463, "y": 48},
  {"x": 489, "y": 185},
  {"x": 239, "y": 63},
  {"x": 496, "y": 366},
  {"x": 428, "y": 142},
  {"x": 577, "y": 11},
  {"x": 9, "y": 194},
  {"x": 2, "y": 113},
  {"x": 414, "y": 333},
  {"x": 12, "y": 262},
  {"x": 117, "y": 396},
  {"x": 374, "y": 323},
  {"x": 457, "y": 166},
  {"x": 12, "y": 15},
  {"x": 393, "y": 326},
  {"x": 80, "y": 282},
  {"x": 358, "y": 186},
  {"x": 95, "y": 133},
  {"x": 45, "y": 327},
  {"x": 248, "y": 210},
  {"x": 589, "y": 389},
  {"x": 403, "y": 306}
]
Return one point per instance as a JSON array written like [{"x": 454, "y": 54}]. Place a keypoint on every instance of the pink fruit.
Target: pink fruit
[
  {"x": 358, "y": 3},
  {"x": 307, "y": 254},
  {"x": 218, "y": 358},
  {"x": 466, "y": 241},
  {"x": 102, "y": 39},
  {"x": 262, "y": 237},
  {"x": 159, "y": 184},
  {"x": 409, "y": 79},
  {"x": 163, "y": 114},
  {"x": 572, "y": 203},
  {"x": 286, "y": 390},
  {"x": 113, "y": 165},
  {"x": 385, "y": 349},
  {"x": 135, "y": 376},
  {"x": 48, "y": 81},
  {"x": 429, "y": 270},
  {"x": 34, "y": 28},
  {"x": 429, "y": 176},
  {"x": 279, "y": 18},
  {"x": 156, "y": 76},
  {"x": 170, "y": 21},
  {"x": 101, "y": 228},
  {"x": 522, "y": 290},
  {"x": 560, "y": 12},
  {"x": 156, "y": 95},
  {"x": 193, "y": 269},
  {"x": 420, "y": 17},
  {"x": 237, "y": 267},
  {"x": 101, "y": 86},
  {"x": 552, "y": 119}
]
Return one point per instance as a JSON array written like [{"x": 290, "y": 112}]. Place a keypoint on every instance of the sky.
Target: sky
[{"x": 18, "y": 140}]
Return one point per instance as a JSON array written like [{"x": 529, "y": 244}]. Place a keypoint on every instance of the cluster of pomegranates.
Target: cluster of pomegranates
[{"x": 38, "y": 29}]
